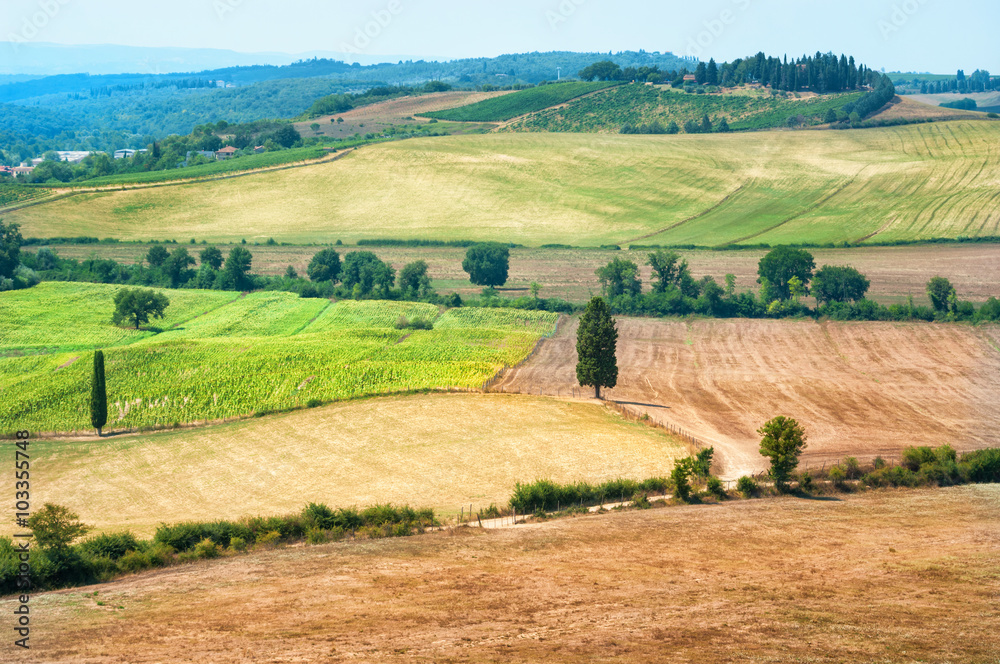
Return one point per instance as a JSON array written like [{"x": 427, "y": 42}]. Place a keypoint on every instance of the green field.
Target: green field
[
  {"x": 262, "y": 352},
  {"x": 609, "y": 110},
  {"x": 500, "y": 109},
  {"x": 890, "y": 184}
]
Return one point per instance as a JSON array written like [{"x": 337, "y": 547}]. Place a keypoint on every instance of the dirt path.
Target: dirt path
[{"x": 860, "y": 389}]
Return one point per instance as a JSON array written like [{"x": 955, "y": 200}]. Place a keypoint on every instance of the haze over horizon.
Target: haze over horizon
[{"x": 890, "y": 34}]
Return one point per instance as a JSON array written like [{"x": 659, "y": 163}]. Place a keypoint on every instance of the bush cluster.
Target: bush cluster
[
  {"x": 108, "y": 555},
  {"x": 546, "y": 495}
]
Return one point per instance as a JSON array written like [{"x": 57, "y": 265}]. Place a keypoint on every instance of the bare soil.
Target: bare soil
[
  {"x": 894, "y": 576},
  {"x": 859, "y": 389},
  {"x": 895, "y": 272},
  {"x": 392, "y": 113}
]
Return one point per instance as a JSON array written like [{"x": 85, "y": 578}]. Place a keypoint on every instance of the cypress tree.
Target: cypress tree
[
  {"x": 98, "y": 394},
  {"x": 596, "y": 342}
]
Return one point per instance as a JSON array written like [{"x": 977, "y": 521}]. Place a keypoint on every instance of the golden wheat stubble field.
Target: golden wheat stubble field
[
  {"x": 882, "y": 576},
  {"x": 900, "y": 183},
  {"x": 859, "y": 389},
  {"x": 445, "y": 451}
]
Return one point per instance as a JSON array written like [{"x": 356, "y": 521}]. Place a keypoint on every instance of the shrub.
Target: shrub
[
  {"x": 890, "y": 476},
  {"x": 982, "y": 465},
  {"x": 878, "y": 462},
  {"x": 238, "y": 544},
  {"x": 838, "y": 476},
  {"x": 806, "y": 482},
  {"x": 715, "y": 488},
  {"x": 206, "y": 549},
  {"x": 402, "y": 323},
  {"x": 133, "y": 561},
  {"x": 112, "y": 546},
  {"x": 269, "y": 539},
  {"x": 640, "y": 501},
  {"x": 914, "y": 457},
  {"x": 702, "y": 466},
  {"x": 852, "y": 468},
  {"x": 747, "y": 487},
  {"x": 317, "y": 536}
]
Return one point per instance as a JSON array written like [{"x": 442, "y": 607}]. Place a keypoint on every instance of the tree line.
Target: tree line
[{"x": 821, "y": 73}]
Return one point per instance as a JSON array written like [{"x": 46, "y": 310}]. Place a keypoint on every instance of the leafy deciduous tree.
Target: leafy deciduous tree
[
  {"x": 136, "y": 305},
  {"x": 619, "y": 277},
  {"x": 780, "y": 265},
  {"x": 487, "y": 264},
  {"x": 783, "y": 442},
  {"x": 324, "y": 266},
  {"x": 55, "y": 526},
  {"x": 839, "y": 284}
]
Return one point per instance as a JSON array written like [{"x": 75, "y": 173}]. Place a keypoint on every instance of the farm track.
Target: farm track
[{"x": 860, "y": 389}]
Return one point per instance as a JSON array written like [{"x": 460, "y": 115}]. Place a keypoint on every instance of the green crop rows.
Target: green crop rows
[
  {"x": 261, "y": 353},
  {"x": 11, "y": 194},
  {"x": 505, "y": 107}
]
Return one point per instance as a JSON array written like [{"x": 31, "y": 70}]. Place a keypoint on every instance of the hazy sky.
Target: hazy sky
[{"x": 912, "y": 35}]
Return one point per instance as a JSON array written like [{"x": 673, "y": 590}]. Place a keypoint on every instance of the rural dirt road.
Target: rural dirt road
[{"x": 859, "y": 389}]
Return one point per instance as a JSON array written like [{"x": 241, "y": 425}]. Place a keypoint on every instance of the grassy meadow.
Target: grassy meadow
[
  {"x": 217, "y": 355},
  {"x": 510, "y": 106},
  {"x": 441, "y": 451},
  {"x": 902, "y": 183}
]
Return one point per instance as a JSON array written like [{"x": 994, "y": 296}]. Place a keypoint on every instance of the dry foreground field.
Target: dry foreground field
[
  {"x": 882, "y": 576},
  {"x": 859, "y": 389}
]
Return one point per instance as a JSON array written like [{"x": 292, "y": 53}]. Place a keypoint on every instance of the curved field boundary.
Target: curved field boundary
[
  {"x": 692, "y": 218},
  {"x": 859, "y": 389}
]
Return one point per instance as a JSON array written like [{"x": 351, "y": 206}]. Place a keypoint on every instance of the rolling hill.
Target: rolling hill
[{"x": 905, "y": 183}]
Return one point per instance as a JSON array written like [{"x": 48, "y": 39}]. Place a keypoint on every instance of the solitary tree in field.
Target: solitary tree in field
[
  {"x": 487, "y": 264},
  {"x": 98, "y": 394},
  {"x": 135, "y": 306},
  {"x": 783, "y": 442},
  {"x": 596, "y": 343}
]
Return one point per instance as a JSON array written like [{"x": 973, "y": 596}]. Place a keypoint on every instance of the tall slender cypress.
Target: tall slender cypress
[
  {"x": 98, "y": 394},
  {"x": 596, "y": 344}
]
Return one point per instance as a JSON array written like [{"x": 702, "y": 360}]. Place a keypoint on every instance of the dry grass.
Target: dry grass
[
  {"x": 912, "y": 182},
  {"x": 859, "y": 389},
  {"x": 441, "y": 451},
  {"x": 877, "y": 577}
]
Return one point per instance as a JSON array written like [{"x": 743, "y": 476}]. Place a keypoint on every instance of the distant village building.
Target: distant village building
[
  {"x": 226, "y": 153},
  {"x": 127, "y": 153},
  {"x": 689, "y": 78},
  {"x": 259, "y": 149},
  {"x": 19, "y": 171}
]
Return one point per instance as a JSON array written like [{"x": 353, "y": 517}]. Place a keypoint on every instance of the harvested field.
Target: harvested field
[
  {"x": 392, "y": 113},
  {"x": 860, "y": 389},
  {"x": 442, "y": 451},
  {"x": 892, "y": 576},
  {"x": 913, "y": 107},
  {"x": 895, "y": 272}
]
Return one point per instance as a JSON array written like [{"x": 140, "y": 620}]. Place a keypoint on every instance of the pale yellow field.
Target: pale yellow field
[
  {"x": 900, "y": 183},
  {"x": 441, "y": 451}
]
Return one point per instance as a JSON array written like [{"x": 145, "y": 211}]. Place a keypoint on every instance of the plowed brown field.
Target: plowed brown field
[{"x": 860, "y": 389}]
